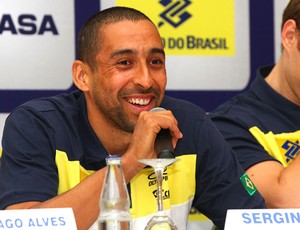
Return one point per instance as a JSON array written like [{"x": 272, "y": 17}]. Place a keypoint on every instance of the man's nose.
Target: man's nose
[{"x": 143, "y": 77}]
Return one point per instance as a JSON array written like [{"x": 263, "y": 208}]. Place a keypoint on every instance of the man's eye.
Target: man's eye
[
  {"x": 156, "y": 61},
  {"x": 124, "y": 62}
]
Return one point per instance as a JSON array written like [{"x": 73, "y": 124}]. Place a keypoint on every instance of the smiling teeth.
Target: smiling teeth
[{"x": 139, "y": 101}]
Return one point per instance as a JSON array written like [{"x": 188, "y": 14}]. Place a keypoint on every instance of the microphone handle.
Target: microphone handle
[{"x": 163, "y": 144}]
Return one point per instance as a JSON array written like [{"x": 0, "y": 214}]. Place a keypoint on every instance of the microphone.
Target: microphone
[{"x": 163, "y": 143}]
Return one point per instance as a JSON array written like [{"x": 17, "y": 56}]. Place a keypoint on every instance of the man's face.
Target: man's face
[
  {"x": 292, "y": 72},
  {"x": 130, "y": 75}
]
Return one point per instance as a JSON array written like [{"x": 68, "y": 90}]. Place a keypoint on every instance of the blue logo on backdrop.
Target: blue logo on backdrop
[
  {"x": 175, "y": 10},
  {"x": 27, "y": 24}
]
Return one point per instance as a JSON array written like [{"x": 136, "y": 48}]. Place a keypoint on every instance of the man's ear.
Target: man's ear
[
  {"x": 80, "y": 72},
  {"x": 289, "y": 34}
]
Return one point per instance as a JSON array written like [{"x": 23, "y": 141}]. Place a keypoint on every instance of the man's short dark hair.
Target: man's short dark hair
[{"x": 89, "y": 40}]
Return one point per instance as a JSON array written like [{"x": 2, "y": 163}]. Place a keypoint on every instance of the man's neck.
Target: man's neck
[
  {"x": 114, "y": 140},
  {"x": 278, "y": 80}
]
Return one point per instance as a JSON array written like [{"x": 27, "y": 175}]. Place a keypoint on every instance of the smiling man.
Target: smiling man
[{"x": 54, "y": 148}]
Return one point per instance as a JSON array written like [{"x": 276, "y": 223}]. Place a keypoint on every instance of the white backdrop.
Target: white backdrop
[{"x": 36, "y": 45}]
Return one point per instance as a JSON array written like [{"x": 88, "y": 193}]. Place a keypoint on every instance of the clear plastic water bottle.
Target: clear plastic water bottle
[{"x": 114, "y": 198}]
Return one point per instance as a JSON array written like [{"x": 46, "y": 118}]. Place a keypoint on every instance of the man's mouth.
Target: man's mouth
[{"x": 139, "y": 101}]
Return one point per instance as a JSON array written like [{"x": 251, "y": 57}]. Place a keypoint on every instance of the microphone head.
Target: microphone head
[{"x": 157, "y": 109}]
